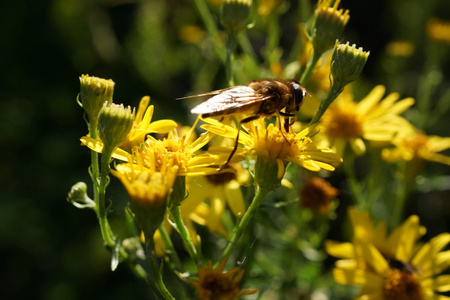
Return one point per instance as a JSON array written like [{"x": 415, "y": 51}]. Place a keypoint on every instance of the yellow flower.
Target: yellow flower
[
  {"x": 269, "y": 142},
  {"x": 371, "y": 119},
  {"x": 438, "y": 30},
  {"x": 218, "y": 285},
  {"x": 393, "y": 267},
  {"x": 181, "y": 150},
  {"x": 142, "y": 126},
  {"x": 220, "y": 190},
  {"x": 148, "y": 188},
  {"x": 400, "y": 48},
  {"x": 412, "y": 144}
]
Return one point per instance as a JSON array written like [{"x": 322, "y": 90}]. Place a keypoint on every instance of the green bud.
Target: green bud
[
  {"x": 94, "y": 92},
  {"x": 78, "y": 196},
  {"x": 235, "y": 14},
  {"x": 347, "y": 62},
  {"x": 267, "y": 175},
  {"x": 114, "y": 124},
  {"x": 328, "y": 25}
]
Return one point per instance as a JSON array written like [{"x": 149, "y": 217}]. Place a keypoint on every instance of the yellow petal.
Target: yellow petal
[
  {"x": 410, "y": 231},
  {"x": 161, "y": 126},
  {"x": 367, "y": 104},
  {"x": 372, "y": 256},
  {"x": 356, "y": 277},
  {"x": 235, "y": 199},
  {"x": 341, "y": 250},
  {"x": 425, "y": 257},
  {"x": 439, "y": 284}
]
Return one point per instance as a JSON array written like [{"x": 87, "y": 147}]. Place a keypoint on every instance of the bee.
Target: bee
[
  {"x": 262, "y": 97},
  {"x": 401, "y": 265}
]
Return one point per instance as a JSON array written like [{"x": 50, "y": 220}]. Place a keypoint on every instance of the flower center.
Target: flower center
[
  {"x": 343, "y": 124},
  {"x": 316, "y": 194},
  {"x": 221, "y": 178},
  {"x": 401, "y": 285},
  {"x": 278, "y": 144},
  {"x": 178, "y": 152},
  {"x": 219, "y": 286},
  {"x": 417, "y": 143}
]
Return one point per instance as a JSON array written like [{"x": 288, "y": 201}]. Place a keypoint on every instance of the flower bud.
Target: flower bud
[
  {"x": 94, "y": 92},
  {"x": 235, "y": 14},
  {"x": 267, "y": 173},
  {"x": 328, "y": 25},
  {"x": 78, "y": 196},
  {"x": 114, "y": 124},
  {"x": 347, "y": 62}
]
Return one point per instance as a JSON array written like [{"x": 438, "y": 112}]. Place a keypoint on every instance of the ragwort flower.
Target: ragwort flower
[
  {"x": 148, "y": 188},
  {"x": 273, "y": 144},
  {"x": 219, "y": 285},
  {"x": 219, "y": 190},
  {"x": 371, "y": 119},
  {"x": 413, "y": 144},
  {"x": 395, "y": 266},
  {"x": 141, "y": 127},
  {"x": 182, "y": 151}
]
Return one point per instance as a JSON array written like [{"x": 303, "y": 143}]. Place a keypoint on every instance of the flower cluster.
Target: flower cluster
[
  {"x": 393, "y": 266},
  {"x": 256, "y": 180}
]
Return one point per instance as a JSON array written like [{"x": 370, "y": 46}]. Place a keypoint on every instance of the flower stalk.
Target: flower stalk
[
  {"x": 154, "y": 269},
  {"x": 260, "y": 194}
]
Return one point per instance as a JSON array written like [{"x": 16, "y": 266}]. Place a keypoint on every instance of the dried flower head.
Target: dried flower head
[
  {"x": 316, "y": 194},
  {"x": 214, "y": 284}
]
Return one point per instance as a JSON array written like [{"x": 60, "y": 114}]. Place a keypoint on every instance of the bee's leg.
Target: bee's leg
[
  {"x": 287, "y": 122},
  {"x": 243, "y": 121}
]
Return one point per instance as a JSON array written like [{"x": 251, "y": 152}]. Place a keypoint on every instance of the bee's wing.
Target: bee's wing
[
  {"x": 213, "y": 93},
  {"x": 228, "y": 101}
]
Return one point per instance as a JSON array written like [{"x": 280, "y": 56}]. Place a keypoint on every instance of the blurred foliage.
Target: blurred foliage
[{"x": 156, "y": 48}]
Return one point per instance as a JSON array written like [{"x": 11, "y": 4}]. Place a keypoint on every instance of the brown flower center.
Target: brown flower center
[
  {"x": 400, "y": 284},
  {"x": 316, "y": 194},
  {"x": 343, "y": 124},
  {"x": 222, "y": 178},
  {"x": 219, "y": 286}
]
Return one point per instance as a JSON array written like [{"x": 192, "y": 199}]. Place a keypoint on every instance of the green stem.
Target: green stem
[
  {"x": 335, "y": 90},
  {"x": 231, "y": 42},
  {"x": 175, "y": 212},
  {"x": 210, "y": 25},
  {"x": 247, "y": 48},
  {"x": 100, "y": 181},
  {"x": 105, "y": 228},
  {"x": 260, "y": 194},
  {"x": 401, "y": 195},
  {"x": 310, "y": 67},
  {"x": 154, "y": 269},
  {"x": 355, "y": 186},
  {"x": 174, "y": 259}
]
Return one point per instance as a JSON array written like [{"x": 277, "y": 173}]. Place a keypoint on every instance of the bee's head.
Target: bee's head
[{"x": 298, "y": 93}]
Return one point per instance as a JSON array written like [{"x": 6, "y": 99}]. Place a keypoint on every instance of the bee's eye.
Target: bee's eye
[{"x": 298, "y": 92}]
